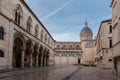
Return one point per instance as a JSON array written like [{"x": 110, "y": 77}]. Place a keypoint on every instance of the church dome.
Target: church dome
[
  {"x": 86, "y": 33},
  {"x": 86, "y": 29}
]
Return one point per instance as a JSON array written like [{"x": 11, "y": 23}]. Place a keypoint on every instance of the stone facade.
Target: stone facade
[
  {"x": 76, "y": 52},
  {"x": 24, "y": 41},
  {"x": 108, "y": 41},
  {"x": 87, "y": 45},
  {"x": 104, "y": 45},
  {"x": 115, "y": 6},
  {"x": 68, "y": 53}
]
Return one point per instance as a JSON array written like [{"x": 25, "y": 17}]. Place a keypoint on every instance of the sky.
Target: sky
[{"x": 64, "y": 19}]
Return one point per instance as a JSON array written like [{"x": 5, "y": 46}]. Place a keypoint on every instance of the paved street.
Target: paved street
[{"x": 59, "y": 73}]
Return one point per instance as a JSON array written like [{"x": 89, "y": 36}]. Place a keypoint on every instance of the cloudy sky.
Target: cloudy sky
[{"x": 64, "y": 19}]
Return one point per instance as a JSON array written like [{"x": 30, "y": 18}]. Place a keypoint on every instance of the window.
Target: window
[
  {"x": 64, "y": 54},
  {"x": 71, "y": 55},
  {"x": 64, "y": 47},
  {"x": 71, "y": 47},
  {"x": 18, "y": 14},
  {"x": 1, "y": 53},
  {"x": 28, "y": 27},
  {"x": 36, "y": 31},
  {"x": 1, "y": 33},
  {"x": 48, "y": 41},
  {"x": 58, "y": 46},
  {"x": 41, "y": 35},
  {"x": 90, "y": 45},
  {"x": 110, "y": 28},
  {"x": 78, "y": 55},
  {"x": 57, "y": 54},
  {"x": 45, "y": 38},
  {"x": 77, "y": 47},
  {"x": 110, "y": 43},
  {"x": 29, "y": 24}
]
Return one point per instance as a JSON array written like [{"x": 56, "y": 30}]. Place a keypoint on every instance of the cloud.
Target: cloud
[{"x": 57, "y": 10}]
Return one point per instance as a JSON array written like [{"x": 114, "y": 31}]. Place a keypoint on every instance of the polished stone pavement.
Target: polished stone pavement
[{"x": 60, "y": 73}]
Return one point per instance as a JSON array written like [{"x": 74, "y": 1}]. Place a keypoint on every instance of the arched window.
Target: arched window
[
  {"x": 36, "y": 30},
  {"x": 45, "y": 38},
  {"x": 64, "y": 47},
  {"x": 48, "y": 41},
  {"x": 29, "y": 24},
  {"x": 18, "y": 14},
  {"x": 71, "y": 47},
  {"x": 58, "y": 46},
  {"x": 1, "y": 33},
  {"x": 77, "y": 47},
  {"x": 41, "y": 35}
]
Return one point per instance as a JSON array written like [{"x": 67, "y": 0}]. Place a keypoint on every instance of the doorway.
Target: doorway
[
  {"x": 17, "y": 53},
  {"x": 79, "y": 61},
  {"x": 18, "y": 60}
]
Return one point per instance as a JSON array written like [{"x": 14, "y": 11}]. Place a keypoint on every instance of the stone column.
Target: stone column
[
  {"x": 48, "y": 60},
  {"x": 42, "y": 60},
  {"x": 37, "y": 60},
  {"x": 22, "y": 60},
  {"x": 31, "y": 60},
  {"x": 45, "y": 59}
]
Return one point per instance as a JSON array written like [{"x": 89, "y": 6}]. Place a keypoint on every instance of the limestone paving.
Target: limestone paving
[{"x": 60, "y": 73}]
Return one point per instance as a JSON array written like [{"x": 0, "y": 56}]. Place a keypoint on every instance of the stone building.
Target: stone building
[
  {"x": 115, "y": 6},
  {"x": 87, "y": 45},
  {"x": 24, "y": 41},
  {"x": 76, "y": 52},
  {"x": 68, "y": 53},
  {"x": 104, "y": 45}
]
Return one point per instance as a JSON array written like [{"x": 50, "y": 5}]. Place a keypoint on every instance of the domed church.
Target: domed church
[{"x": 76, "y": 52}]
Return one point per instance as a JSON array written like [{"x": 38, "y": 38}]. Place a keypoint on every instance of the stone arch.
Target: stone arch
[
  {"x": 17, "y": 34},
  {"x": 18, "y": 49},
  {"x": 28, "y": 53},
  {"x": 35, "y": 54}
]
